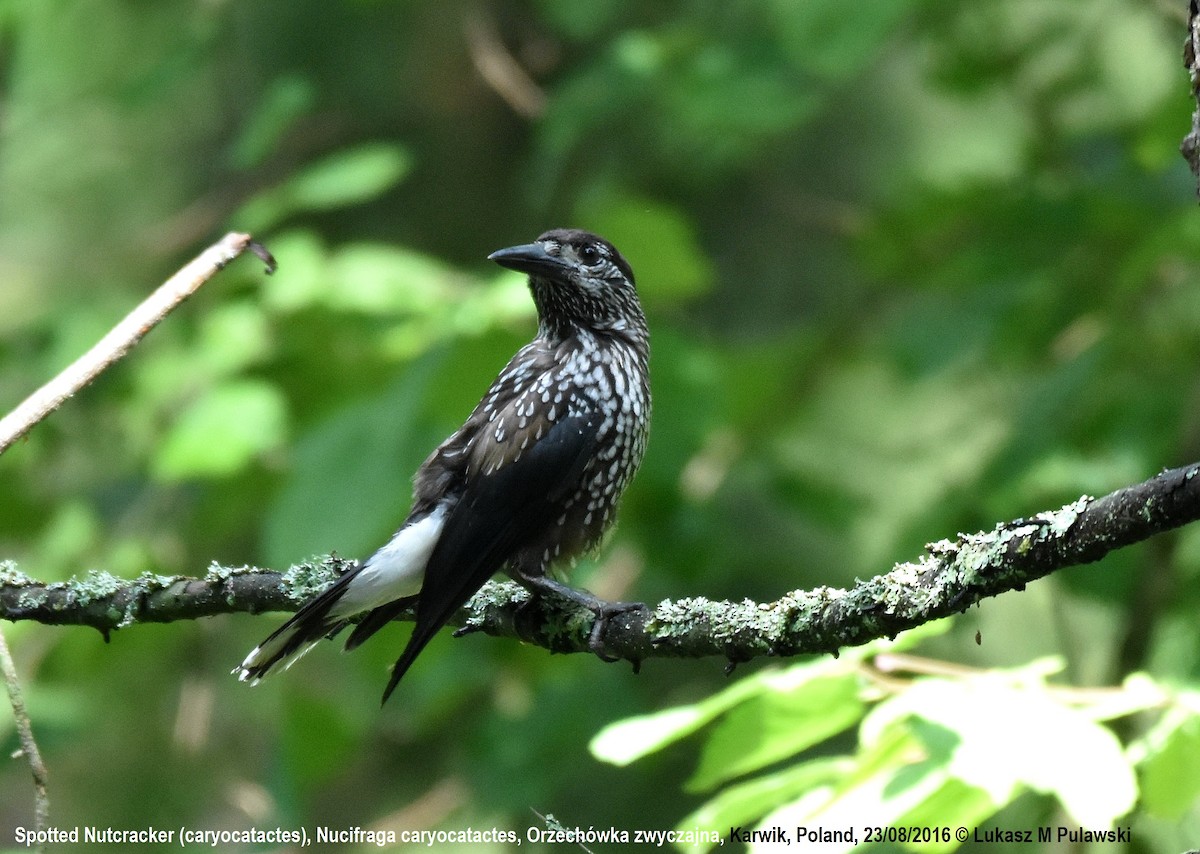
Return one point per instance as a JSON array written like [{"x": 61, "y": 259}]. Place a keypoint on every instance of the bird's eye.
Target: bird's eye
[{"x": 589, "y": 253}]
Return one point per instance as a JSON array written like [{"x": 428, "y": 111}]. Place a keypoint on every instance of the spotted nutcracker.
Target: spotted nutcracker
[{"x": 532, "y": 478}]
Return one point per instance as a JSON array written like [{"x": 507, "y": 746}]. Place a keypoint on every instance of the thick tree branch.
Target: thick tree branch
[{"x": 950, "y": 577}]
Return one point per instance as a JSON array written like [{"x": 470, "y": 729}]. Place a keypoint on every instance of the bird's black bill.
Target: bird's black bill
[{"x": 529, "y": 258}]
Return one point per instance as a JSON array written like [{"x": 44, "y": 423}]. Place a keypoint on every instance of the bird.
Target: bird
[{"x": 527, "y": 484}]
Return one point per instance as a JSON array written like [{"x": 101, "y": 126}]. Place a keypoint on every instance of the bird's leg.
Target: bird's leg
[{"x": 603, "y": 610}]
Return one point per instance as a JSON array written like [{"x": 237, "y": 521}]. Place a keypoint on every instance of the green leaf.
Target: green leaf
[
  {"x": 350, "y": 476},
  {"x": 382, "y": 279},
  {"x": 745, "y": 802},
  {"x": 341, "y": 179},
  {"x": 1170, "y": 774},
  {"x": 285, "y": 100},
  {"x": 222, "y": 430},
  {"x": 349, "y": 177},
  {"x": 625, "y": 741},
  {"x": 1099, "y": 787},
  {"x": 233, "y": 336},
  {"x": 776, "y": 724},
  {"x": 941, "y": 706},
  {"x": 1052, "y": 749},
  {"x": 659, "y": 240},
  {"x": 954, "y": 804},
  {"x": 890, "y": 777},
  {"x": 302, "y": 279}
]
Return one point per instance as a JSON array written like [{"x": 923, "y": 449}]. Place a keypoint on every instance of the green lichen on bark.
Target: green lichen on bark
[
  {"x": 951, "y": 576},
  {"x": 302, "y": 581}
]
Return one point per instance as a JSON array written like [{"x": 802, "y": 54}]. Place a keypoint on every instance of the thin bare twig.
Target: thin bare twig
[
  {"x": 500, "y": 69},
  {"x": 29, "y": 748},
  {"x": 122, "y": 337}
]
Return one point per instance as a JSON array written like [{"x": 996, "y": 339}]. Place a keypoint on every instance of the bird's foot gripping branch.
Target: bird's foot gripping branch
[{"x": 954, "y": 574}]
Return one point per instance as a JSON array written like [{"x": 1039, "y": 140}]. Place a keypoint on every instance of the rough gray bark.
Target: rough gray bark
[{"x": 951, "y": 576}]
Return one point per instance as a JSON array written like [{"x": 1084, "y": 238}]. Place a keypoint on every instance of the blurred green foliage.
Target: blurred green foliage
[{"x": 912, "y": 267}]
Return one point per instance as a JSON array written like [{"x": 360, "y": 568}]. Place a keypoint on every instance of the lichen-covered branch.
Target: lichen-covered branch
[{"x": 951, "y": 576}]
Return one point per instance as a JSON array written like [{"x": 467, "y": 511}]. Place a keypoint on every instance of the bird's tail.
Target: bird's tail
[{"x": 313, "y": 622}]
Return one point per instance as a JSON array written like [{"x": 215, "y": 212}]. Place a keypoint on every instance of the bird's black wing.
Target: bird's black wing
[
  {"x": 376, "y": 619},
  {"x": 500, "y": 509}
]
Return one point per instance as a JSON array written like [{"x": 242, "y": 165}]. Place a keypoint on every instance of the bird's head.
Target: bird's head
[{"x": 579, "y": 281}]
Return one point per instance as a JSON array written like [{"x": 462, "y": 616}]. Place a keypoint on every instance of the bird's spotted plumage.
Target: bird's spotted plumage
[{"x": 530, "y": 480}]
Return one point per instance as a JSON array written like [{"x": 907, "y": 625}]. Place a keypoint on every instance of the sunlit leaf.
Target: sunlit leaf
[
  {"x": 632, "y": 738},
  {"x": 625, "y": 741},
  {"x": 888, "y": 778},
  {"x": 233, "y": 336},
  {"x": 955, "y": 804},
  {"x": 345, "y": 178},
  {"x": 776, "y": 724},
  {"x": 1170, "y": 774},
  {"x": 222, "y": 431},
  {"x": 743, "y": 803},
  {"x": 1059, "y": 751},
  {"x": 302, "y": 279},
  {"x": 379, "y": 278}
]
